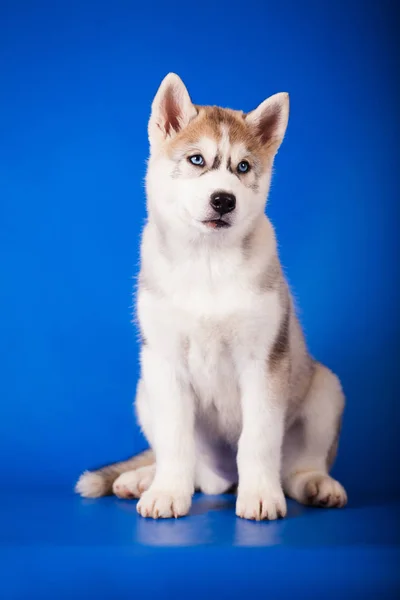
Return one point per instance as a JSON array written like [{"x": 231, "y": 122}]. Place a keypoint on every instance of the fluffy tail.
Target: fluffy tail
[{"x": 93, "y": 484}]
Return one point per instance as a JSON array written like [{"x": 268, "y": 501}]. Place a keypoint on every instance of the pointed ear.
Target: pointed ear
[
  {"x": 270, "y": 119},
  {"x": 171, "y": 110}
]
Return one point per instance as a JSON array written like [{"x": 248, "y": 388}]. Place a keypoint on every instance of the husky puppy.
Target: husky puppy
[{"x": 228, "y": 392}]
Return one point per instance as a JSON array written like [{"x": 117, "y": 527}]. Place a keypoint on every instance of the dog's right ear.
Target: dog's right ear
[{"x": 171, "y": 111}]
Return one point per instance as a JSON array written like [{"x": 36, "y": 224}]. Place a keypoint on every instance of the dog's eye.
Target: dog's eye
[
  {"x": 197, "y": 160},
  {"x": 243, "y": 167}
]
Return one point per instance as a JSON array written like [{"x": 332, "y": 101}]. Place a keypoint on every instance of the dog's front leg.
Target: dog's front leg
[
  {"x": 260, "y": 494},
  {"x": 172, "y": 412}
]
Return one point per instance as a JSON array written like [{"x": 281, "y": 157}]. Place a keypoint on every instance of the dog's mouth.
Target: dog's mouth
[{"x": 216, "y": 223}]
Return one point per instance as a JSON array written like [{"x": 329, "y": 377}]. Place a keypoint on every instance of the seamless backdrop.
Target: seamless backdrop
[{"x": 76, "y": 83}]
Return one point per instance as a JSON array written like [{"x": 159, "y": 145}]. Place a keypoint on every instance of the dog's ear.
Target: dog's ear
[
  {"x": 172, "y": 109},
  {"x": 270, "y": 119}
]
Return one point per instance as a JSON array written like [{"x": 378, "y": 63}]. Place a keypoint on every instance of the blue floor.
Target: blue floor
[{"x": 57, "y": 545}]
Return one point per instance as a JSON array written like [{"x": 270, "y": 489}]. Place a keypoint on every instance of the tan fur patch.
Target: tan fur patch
[
  {"x": 335, "y": 445},
  {"x": 281, "y": 346},
  {"x": 110, "y": 473},
  {"x": 211, "y": 121}
]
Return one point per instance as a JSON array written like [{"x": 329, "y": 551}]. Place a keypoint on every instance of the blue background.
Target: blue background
[{"x": 77, "y": 80}]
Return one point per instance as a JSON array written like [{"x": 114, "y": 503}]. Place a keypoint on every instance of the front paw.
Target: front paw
[
  {"x": 261, "y": 504},
  {"x": 159, "y": 504}
]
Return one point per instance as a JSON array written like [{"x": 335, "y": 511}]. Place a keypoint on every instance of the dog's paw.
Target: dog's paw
[
  {"x": 261, "y": 504},
  {"x": 323, "y": 490},
  {"x": 159, "y": 504},
  {"x": 132, "y": 484}
]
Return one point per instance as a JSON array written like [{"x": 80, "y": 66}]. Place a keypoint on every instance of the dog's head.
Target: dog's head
[{"x": 210, "y": 168}]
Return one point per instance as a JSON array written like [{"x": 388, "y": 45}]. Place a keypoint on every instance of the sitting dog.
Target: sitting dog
[{"x": 228, "y": 393}]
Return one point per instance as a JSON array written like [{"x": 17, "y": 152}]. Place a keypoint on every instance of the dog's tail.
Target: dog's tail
[{"x": 93, "y": 484}]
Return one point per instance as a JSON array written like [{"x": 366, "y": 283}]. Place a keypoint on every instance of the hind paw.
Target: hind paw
[
  {"x": 318, "y": 489},
  {"x": 132, "y": 484}
]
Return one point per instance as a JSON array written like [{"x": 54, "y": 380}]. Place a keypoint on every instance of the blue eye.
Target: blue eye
[
  {"x": 243, "y": 167},
  {"x": 197, "y": 160}
]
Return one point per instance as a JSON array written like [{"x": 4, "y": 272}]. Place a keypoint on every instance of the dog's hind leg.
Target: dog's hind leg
[
  {"x": 310, "y": 444},
  {"x": 133, "y": 483}
]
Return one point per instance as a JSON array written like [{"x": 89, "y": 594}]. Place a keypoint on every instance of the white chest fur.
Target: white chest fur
[{"x": 204, "y": 314}]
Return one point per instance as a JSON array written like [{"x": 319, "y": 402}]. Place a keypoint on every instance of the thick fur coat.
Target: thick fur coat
[{"x": 229, "y": 395}]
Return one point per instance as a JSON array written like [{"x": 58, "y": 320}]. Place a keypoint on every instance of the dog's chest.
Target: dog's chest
[
  {"x": 208, "y": 305},
  {"x": 210, "y": 361},
  {"x": 212, "y": 373},
  {"x": 208, "y": 317},
  {"x": 215, "y": 316}
]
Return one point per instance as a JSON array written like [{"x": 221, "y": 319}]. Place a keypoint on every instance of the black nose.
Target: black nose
[{"x": 223, "y": 202}]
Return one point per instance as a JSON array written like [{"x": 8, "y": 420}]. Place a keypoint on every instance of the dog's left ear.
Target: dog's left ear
[
  {"x": 172, "y": 109},
  {"x": 270, "y": 119}
]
